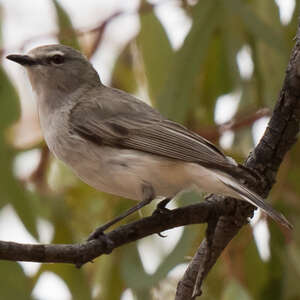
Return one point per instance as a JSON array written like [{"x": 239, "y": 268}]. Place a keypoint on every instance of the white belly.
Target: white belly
[{"x": 125, "y": 172}]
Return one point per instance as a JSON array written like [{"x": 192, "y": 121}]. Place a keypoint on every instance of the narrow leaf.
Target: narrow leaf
[
  {"x": 175, "y": 100},
  {"x": 67, "y": 34},
  {"x": 156, "y": 52},
  {"x": 258, "y": 27},
  {"x": 123, "y": 76},
  {"x": 10, "y": 189},
  {"x": 13, "y": 282}
]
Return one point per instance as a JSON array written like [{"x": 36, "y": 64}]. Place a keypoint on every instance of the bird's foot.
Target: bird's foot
[
  {"x": 96, "y": 233},
  {"x": 99, "y": 231},
  {"x": 161, "y": 207}
]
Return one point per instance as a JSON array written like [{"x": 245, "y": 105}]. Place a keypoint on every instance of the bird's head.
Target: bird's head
[{"x": 57, "y": 68}]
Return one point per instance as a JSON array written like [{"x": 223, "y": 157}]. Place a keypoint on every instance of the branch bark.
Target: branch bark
[
  {"x": 82, "y": 253},
  {"x": 265, "y": 159}
]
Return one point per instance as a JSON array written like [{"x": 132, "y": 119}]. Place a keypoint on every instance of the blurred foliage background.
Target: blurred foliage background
[{"x": 222, "y": 81}]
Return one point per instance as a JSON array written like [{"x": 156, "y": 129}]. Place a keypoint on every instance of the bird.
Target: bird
[{"x": 120, "y": 145}]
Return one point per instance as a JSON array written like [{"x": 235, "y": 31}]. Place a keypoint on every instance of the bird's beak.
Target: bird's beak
[{"x": 24, "y": 60}]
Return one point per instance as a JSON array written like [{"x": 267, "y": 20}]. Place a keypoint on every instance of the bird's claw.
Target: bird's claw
[
  {"x": 162, "y": 235},
  {"x": 161, "y": 207},
  {"x": 161, "y": 211},
  {"x": 96, "y": 234}
]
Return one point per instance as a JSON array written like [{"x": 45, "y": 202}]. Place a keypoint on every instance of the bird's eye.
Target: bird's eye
[{"x": 57, "y": 59}]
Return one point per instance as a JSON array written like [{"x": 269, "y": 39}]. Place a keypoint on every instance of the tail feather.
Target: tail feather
[{"x": 251, "y": 197}]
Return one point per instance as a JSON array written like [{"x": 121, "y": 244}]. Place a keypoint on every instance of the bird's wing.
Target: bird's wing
[{"x": 126, "y": 122}]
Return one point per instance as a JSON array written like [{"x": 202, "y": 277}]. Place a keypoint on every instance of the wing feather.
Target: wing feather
[{"x": 132, "y": 124}]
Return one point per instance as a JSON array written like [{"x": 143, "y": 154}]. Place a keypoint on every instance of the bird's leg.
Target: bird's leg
[{"x": 149, "y": 195}]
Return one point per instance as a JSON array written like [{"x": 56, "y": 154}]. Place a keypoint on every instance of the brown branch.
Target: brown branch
[
  {"x": 80, "y": 254},
  {"x": 39, "y": 174},
  {"x": 266, "y": 158},
  {"x": 239, "y": 122},
  {"x": 99, "y": 31}
]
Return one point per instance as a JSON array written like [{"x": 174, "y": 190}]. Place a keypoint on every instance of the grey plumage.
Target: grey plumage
[{"x": 117, "y": 143}]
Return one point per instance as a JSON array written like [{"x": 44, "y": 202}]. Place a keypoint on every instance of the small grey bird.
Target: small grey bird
[{"x": 120, "y": 145}]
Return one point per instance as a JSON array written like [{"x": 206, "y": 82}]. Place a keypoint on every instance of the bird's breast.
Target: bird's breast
[{"x": 122, "y": 172}]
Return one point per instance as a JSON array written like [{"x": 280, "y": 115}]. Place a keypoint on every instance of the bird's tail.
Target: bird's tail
[{"x": 251, "y": 197}]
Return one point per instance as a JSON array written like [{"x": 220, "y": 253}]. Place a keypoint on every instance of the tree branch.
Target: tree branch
[
  {"x": 266, "y": 158},
  {"x": 213, "y": 133},
  {"x": 80, "y": 254}
]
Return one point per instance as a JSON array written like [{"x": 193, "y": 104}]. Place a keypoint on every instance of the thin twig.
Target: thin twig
[{"x": 239, "y": 122}]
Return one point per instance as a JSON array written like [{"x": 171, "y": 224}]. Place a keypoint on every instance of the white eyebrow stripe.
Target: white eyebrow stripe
[{"x": 55, "y": 52}]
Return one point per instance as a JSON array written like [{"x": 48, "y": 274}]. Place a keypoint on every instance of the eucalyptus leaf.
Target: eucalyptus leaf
[
  {"x": 14, "y": 284},
  {"x": 132, "y": 269},
  {"x": 235, "y": 290},
  {"x": 256, "y": 270},
  {"x": 156, "y": 52},
  {"x": 175, "y": 99},
  {"x": 291, "y": 276},
  {"x": 108, "y": 275},
  {"x": 75, "y": 279},
  {"x": 123, "y": 76},
  {"x": 11, "y": 190},
  {"x": 269, "y": 60},
  {"x": 67, "y": 34},
  {"x": 256, "y": 26}
]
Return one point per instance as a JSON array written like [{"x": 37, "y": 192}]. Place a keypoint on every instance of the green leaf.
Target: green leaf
[
  {"x": 10, "y": 189},
  {"x": 234, "y": 290},
  {"x": 1, "y": 17},
  {"x": 9, "y": 102},
  {"x": 156, "y": 51},
  {"x": 177, "y": 256},
  {"x": 294, "y": 171},
  {"x": 267, "y": 59},
  {"x": 67, "y": 34},
  {"x": 175, "y": 100},
  {"x": 290, "y": 29},
  {"x": 256, "y": 271},
  {"x": 276, "y": 266},
  {"x": 216, "y": 79},
  {"x": 258, "y": 27},
  {"x": 133, "y": 272},
  {"x": 123, "y": 76},
  {"x": 13, "y": 282},
  {"x": 74, "y": 278},
  {"x": 108, "y": 275},
  {"x": 132, "y": 269},
  {"x": 292, "y": 274},
  {"x": 233, "y": 40}
]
